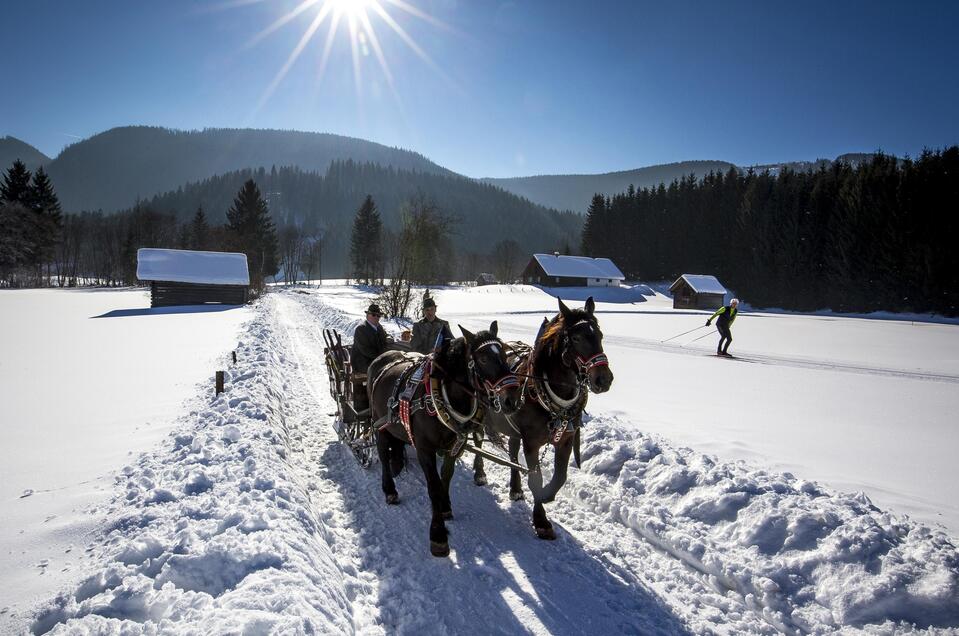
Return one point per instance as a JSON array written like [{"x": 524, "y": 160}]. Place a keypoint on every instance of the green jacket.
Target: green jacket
[{"x": 727, "y": 315}]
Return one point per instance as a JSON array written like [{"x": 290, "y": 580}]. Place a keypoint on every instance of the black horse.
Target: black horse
[
  {"x": 468, "y": 376},
  {"x": 566, "y": 362}
]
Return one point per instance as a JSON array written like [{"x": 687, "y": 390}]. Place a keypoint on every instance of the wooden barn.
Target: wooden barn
[
  {"x": 555, "y": 270},
  {"x": 697, "y": 291},
  {"x": 189, "y": 277}
]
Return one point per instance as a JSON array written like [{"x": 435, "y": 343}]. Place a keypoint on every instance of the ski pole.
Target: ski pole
[
  {"x": 683, "y": 334},
  {"x": 699, "y": 338}
]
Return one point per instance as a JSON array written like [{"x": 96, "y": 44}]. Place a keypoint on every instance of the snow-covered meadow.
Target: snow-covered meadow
[{"x": 247, "y": 516}]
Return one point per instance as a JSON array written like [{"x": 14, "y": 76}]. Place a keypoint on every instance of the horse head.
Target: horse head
[
  {"x": 490, "y": 370},
  {"x": 581, "y": 342}
]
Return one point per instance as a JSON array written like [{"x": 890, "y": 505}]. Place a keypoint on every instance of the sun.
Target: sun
[
  {"x": 357, "y": 18},
  {"x": 354, "y": 9}
]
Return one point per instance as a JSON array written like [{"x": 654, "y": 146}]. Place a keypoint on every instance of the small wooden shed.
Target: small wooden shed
[
  {"x": 556, "y": 270},
  {"x": 697, "y": 291},
  {"x": 485, "y": 278},
  {"x": 191, "y": 277}
]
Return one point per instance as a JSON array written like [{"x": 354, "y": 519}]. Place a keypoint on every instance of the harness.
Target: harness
[
  {"x": 562, "y": 413},
  {"x": 434, "y": 399}
]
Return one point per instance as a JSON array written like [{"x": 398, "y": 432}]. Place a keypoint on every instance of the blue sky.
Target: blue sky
[{"x": 513, "y": 88}]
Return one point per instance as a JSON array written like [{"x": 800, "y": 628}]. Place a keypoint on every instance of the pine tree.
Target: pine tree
[
  {"x": 16, "y": 184},
  {"x": 366, "y": 243},
  {"x": 199, "y": 231},
  {"x": 48, "y": 218},
  {"x": 253, "y": 232}
]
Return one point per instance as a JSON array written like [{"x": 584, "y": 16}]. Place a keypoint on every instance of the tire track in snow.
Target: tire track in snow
[{"x": 599, "y": 576}]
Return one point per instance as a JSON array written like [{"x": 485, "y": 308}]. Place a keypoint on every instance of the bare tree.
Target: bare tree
[
  {"x": 313, "y": 255},
  {"x": 292, "y": 248},
  {"x": 507, "y": 259}
]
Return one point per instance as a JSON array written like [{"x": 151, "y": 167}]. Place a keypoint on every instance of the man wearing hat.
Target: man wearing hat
[
  {"x": 369, "y": 340},
  {"x": 427, "y": 331}
]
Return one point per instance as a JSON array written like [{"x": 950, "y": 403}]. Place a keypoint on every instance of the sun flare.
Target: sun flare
[{"x": 357, "y": 17}]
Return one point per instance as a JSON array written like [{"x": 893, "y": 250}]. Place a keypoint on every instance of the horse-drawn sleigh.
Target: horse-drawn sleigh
[{"x": 474, "y": 388}]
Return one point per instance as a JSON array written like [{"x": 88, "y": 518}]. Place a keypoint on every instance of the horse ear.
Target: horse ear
[
  {"x": 467, "y": 334},
  {"x": 563, "y": 309},
  {"x": 590, "y": 305},
  {"x": 493, "y": 328}
]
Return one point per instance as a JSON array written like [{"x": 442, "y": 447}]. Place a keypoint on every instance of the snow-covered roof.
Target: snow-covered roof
[
  {"x": 578, "y": 266},
  {"x": 701, "y": 284},
  {"x": 190, "y": 266}
]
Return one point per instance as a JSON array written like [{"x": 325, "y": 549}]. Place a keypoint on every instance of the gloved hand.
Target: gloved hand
[{"x": 709, "y": 322}]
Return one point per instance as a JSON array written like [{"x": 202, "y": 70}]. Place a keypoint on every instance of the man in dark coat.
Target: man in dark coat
[
  {"x": 725, "y": 316},
  {"x": 427, "y": 330},
  {"x": 369, "y": 340}
]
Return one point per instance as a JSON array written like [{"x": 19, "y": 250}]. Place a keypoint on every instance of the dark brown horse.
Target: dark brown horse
[
  {"x": 468, "y": 376},
  {"x": 566, "y": 363}
]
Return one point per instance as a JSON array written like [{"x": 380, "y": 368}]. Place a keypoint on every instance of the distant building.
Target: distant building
[
  {"x": 555, "y": 270},
  {"x": 697, "y": 291},
  {"x": 189, "y": 277},
  {"x": 485, "y": 278}
]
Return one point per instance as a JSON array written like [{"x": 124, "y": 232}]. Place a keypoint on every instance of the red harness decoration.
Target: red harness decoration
[{"x": 406, "y": 404}]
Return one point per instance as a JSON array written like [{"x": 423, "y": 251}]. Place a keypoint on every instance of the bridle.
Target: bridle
[
  {"x": 583, "y": 364},
  {"x": 493, "y": 389}
]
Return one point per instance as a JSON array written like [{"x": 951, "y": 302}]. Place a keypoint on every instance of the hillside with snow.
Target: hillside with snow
[{"x": 715, "y": 497}]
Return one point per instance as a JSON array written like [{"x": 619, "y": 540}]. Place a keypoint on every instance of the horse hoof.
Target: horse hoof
[
  {"x": 447, "y": 515},
  {"x": 517, "y": 496},
  {"x": 546, "y": 533},
  {"x": 479, "y": 480},
  {"x": 393, "y": 499},
  {"x": 439, "y": 549}
]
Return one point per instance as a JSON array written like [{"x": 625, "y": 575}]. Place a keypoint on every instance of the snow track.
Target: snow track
[
  {"x": 683, "y": 348},
  {"x": 253, "y": 518}
]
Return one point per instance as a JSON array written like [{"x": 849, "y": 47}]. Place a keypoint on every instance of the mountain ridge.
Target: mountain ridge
[
  {"x": 12, "y": 149},
  {"x": 139, "y": 162}
]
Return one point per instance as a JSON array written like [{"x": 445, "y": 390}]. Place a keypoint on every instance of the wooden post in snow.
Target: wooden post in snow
[{"x": 219, "y": 382}]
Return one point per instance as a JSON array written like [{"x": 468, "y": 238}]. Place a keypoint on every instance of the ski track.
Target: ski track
[
  {"x": 253, "y": 518},
  {"x": 785, "y": 361}
]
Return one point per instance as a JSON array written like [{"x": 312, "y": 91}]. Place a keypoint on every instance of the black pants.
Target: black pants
[{"x": 724, "y": 335}]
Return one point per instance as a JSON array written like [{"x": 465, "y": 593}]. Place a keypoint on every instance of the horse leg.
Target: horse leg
[
  {"x": 383, "y": 450},
  {"x": 515, "y": 479},
  {"x": 397, "y": 456},
  {"x": 479, "y": 472},
  {"x": 542, "y": 525},
  {"x": 449, "y": 464},
  {"x": 439, "y": 537},
  {"x": 560, "y": 469}
]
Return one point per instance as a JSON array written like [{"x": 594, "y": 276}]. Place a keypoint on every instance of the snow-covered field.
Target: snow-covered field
[
  {"x": 249, "y": 517},
  {"x": 88, "y": 379}
]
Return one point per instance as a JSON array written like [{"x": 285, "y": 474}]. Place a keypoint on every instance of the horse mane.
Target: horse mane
[
  {"x": 453, "y": 355},
  {"x": 553, "y": 330}
]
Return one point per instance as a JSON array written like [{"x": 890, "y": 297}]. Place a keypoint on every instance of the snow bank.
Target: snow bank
[
  {"x": 812, "y": 560},
  {"x": 213, "y": 530}
]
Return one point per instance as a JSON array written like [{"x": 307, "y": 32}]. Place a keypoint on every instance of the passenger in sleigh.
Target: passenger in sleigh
[
  {"x": 369, "y": 341},
  {"x": 430, "y": 332}
]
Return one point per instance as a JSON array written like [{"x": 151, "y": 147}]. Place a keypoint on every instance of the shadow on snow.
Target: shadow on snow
[{"x": 500, "y": 577}]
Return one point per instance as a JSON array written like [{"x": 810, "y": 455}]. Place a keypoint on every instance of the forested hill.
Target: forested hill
[
  {"x": 12, "y": 149},
  {"x": 111, "y": 170},
  {"x": 881, "y": 235},
  {"x": 574, "y": 191},
  {"x": 328, "y": 202}
]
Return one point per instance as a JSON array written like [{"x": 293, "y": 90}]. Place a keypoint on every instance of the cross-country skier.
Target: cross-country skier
[{"x": 725, "y": 316}]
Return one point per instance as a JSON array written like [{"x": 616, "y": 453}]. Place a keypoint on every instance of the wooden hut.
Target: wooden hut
[
  {"x": 555, "y": 270},
  {"x": 189, "y": 277},
  {"x": 697, "y": 291}
]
